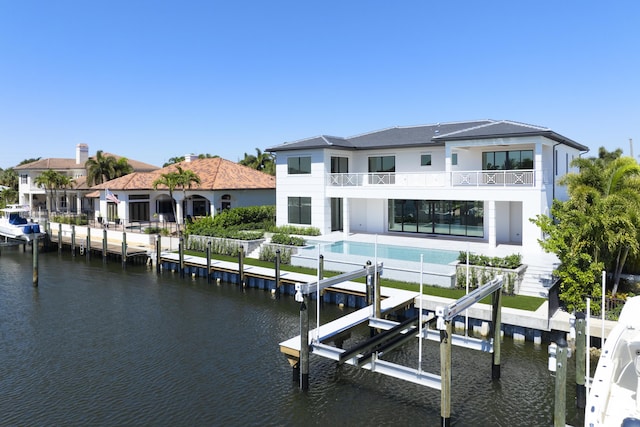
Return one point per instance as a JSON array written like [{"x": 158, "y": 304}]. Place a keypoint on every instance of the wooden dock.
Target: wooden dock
[{"x": 96, "y": 245}]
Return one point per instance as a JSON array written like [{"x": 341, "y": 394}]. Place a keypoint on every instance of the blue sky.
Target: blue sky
[{"x": 151, "y": 80}]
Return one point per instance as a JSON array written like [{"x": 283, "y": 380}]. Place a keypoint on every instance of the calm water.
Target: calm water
[
  {"x": 402, "y": 253},
  {"x": 95, "y": 345}
]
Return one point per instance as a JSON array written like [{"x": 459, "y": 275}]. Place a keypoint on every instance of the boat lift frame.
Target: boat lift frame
[{"x": 366, "y": 355}]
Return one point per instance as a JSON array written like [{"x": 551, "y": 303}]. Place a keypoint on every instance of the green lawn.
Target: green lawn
[{"x": 520, "y": 302}]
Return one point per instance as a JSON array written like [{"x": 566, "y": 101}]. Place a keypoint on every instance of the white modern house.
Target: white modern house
[{"x": 478, "y": 181}]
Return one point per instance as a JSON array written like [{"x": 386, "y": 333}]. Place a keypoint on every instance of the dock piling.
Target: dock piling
[
  {"x": 304, "y": 344},
  {"x": 35, "y": 261},
  {"x": 241, "y": 265},
  {"x": 277, "y": 273},
  {"x": 559, "y": 409},
  {"x": 496, "y": 299},
  {"x": 209, "y": 261},
  {"x": 60, "y": 238},
  {"x": 104, "y": 245},
  {"x": 181, "y": 255},
  {"x": 73, "y": 240},
  {"x": 445, "y": 374},
  {"x": 581, "y": 344},
  {"x": 88, "y": 249},
  {"x": 158, "y": 252},
  {"x": 124, "y": 249}
]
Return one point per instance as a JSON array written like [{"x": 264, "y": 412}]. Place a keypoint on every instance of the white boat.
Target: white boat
[
  {"x": 15, "y": 225},
  {"x": 613, "y": 397}
]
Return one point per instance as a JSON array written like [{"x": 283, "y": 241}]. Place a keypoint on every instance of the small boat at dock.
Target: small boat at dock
[
  {"x": 613, "y": 397},
  {"x": 15, "y": 225}
]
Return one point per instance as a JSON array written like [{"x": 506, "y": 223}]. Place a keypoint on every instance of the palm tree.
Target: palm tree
[
  {"x": 263, "y": 162},
  {"x": 50, "y": 181},
  {"x": 169, "y": 180},
  {"x": 173, "y": 160},
  {"x": 180, "y": 178},
  {"x": 122, "y": 167},
  {"x": 64, "y": 182},
  {"x": 100, "y": 169},
  {"x": 607, "y": 187},
  {"x": 185, "y": 178}
]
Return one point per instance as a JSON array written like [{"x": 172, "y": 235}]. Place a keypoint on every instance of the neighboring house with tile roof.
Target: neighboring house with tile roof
[
  {"x": 476, "y": 180},
  {"x": 223, "y": 184},
  {"x": 72, "y": 200}
]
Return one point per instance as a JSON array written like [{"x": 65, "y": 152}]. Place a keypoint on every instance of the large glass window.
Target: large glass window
[
  {"x": 507, "y": 160},
  {"x": 448, "y": 217},
  {"x": 299, "y": 210},
  {"x": 138, "y": 211},
  {"x": 382, "y": 170},
  {"x": 339, "y": 165},
  {"x": 299, "y": 165}
]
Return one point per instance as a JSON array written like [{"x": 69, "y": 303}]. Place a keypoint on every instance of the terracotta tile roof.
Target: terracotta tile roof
[
  {"x": 62, "y": 164},
  {"x": 50, "y": 163},
  {"x": 215, "y": 174}
]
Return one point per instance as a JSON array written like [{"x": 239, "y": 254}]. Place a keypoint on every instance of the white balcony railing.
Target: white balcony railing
[{"x": 504, "y": 178}]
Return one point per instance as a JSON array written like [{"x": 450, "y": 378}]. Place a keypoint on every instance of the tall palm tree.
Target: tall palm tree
[
  {"x": 185, "y": 179},
  {"x": 50, "y": 181},
  {"x": 100, "y": 169},
  {"x": 64, "y": 182},
  {"x": 169, "y": 180}
]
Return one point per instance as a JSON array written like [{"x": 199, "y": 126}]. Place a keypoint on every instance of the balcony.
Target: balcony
[{"x": 484, "y": 178}]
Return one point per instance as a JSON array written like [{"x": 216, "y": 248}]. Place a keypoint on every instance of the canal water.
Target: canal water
[{"x": 96, "y": 345}]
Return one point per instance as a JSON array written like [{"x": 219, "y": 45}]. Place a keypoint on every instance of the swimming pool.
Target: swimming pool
[{"x": 401, "y": 253}]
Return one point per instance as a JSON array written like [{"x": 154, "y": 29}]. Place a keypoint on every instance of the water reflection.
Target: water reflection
[{"x": 95, "y": 345}]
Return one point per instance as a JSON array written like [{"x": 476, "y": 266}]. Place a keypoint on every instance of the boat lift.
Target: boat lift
[{"x": 367, "y": 354}]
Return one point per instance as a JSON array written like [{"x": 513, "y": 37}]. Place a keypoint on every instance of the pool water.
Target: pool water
[{"x": 401, "y": 253}]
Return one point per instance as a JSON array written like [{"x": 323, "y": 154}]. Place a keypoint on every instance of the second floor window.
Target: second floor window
[
  {"x": 425, "y": 160},
  {"x": 382, "y": 164},
  {"x": 339, "y": 165},
  {"x": 24, "y": 179},
  {"x": 507, "y": 160},
  {"x": 299, "y": 165}
]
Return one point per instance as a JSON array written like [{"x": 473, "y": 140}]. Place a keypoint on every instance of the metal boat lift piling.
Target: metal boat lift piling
[{"x": 367, "y": 355}]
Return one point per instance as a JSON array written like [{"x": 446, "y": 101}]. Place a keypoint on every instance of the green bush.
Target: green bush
[
  {"x": 285, "y": 239},
  {"x": 156, "y": 230},
  {"x": 71, "y": 219},
  {"x": 510, "y": 261},
  {"x": 292, "y": 229},
  {"x": 232, "y": 223},
  {"x": 268, "y": 253}
]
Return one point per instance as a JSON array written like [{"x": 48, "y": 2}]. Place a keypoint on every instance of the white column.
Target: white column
[
  {"x": 537, "y": 166},
  {"x": 178, "y": 199},
  {"x": 490, "y": 219},
  {"x": 345, "y": 217},
  {"x": 78, "y": 203}
]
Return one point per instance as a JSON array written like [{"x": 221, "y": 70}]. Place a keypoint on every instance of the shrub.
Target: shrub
[
  {"x": 230, "y": 222},
  {"x": 285, "y": 239},
  {"x": 268, "y": 253},
  {"x": 156, "y": 230},
  {"x": 292, "y": 229},
  {"x": 510, "y": 261}
]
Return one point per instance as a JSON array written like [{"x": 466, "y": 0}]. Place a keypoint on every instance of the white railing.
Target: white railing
[{"x": 520, "y": 177}]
